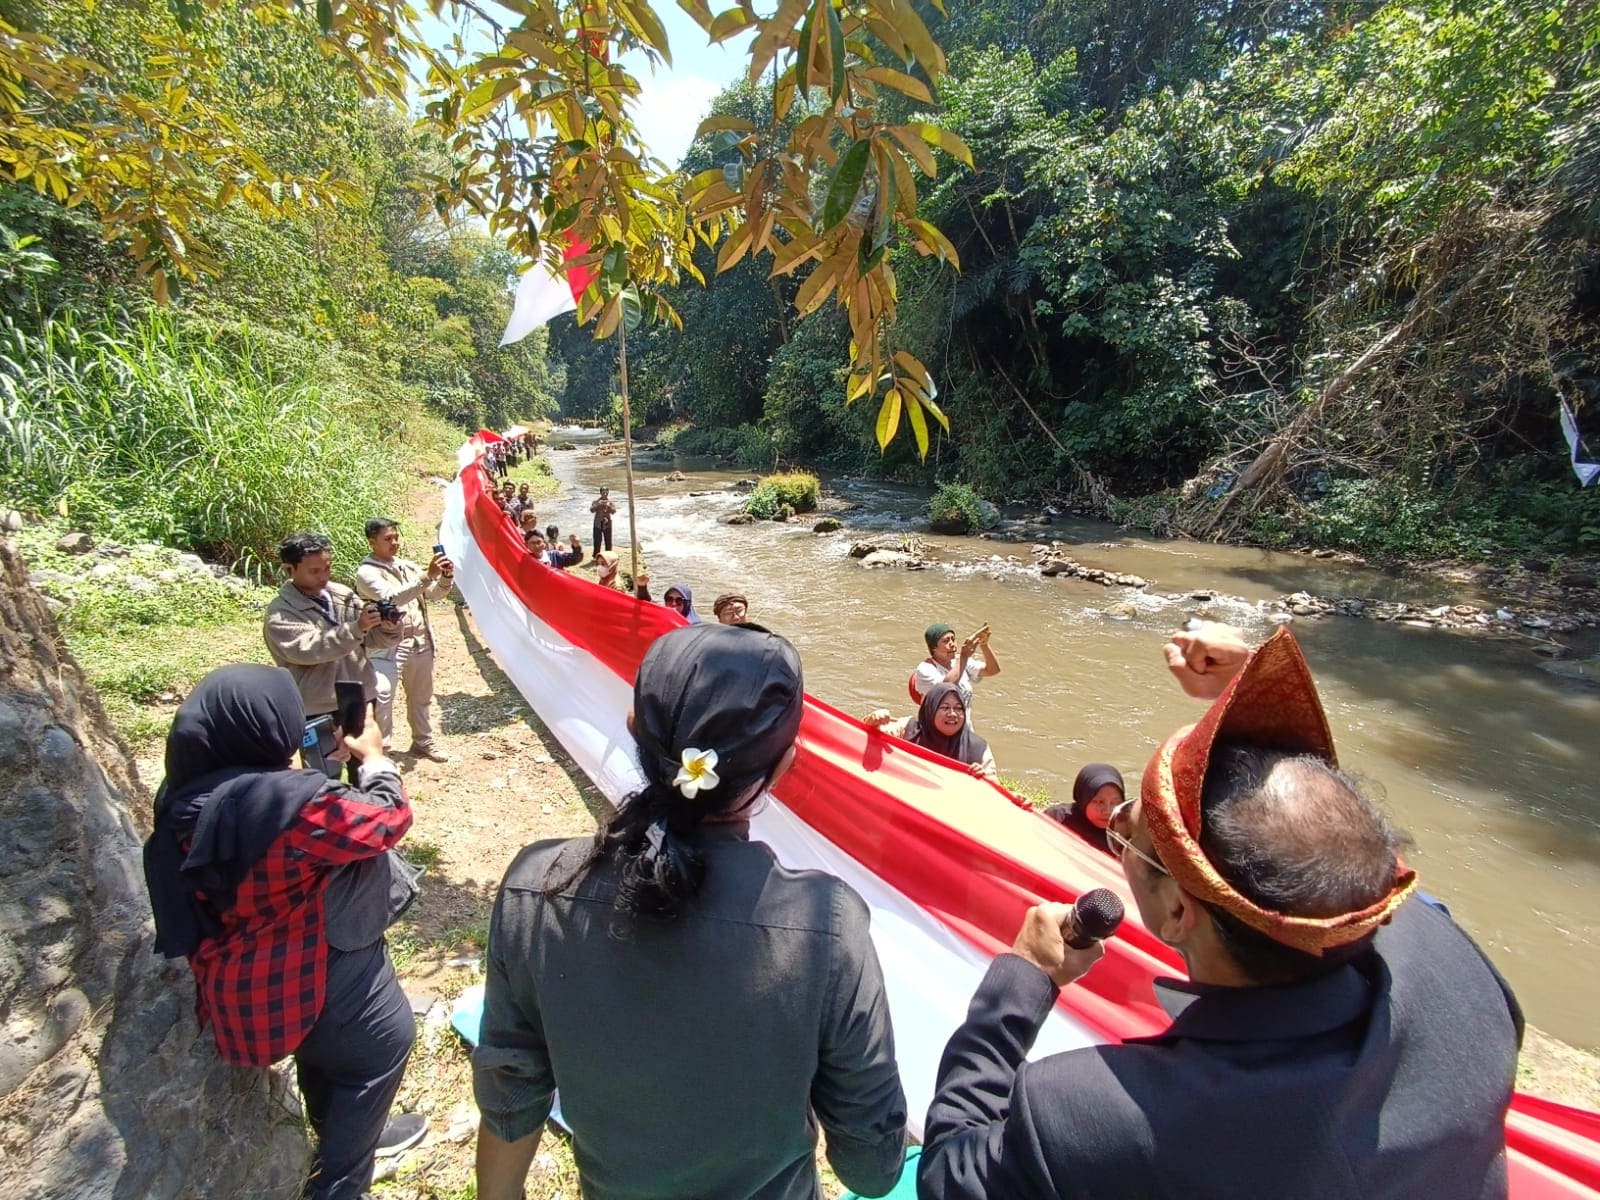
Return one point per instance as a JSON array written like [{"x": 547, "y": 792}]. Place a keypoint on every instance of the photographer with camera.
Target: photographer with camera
[
  {"x": 319, "y": 630},
  {"x": 402, "y": 654}
]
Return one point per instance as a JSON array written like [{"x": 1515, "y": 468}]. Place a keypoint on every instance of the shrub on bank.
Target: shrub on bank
[
  {"x": 747, "y": 445},
  {"x": 173, "y": 430},
  {"x": 956, "y": 508},
  {"x": 797, "y": 491}
]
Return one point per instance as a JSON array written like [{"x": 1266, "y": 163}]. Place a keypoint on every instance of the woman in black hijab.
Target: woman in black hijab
[
  {"x": 1095, "y": 792},
  {"x": 276, "y": 884},
  {"x": 697, "y": 1003},
  {"x": 941, "y": 725}
]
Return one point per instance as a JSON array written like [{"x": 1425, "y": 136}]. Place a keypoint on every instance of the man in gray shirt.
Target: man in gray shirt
[{"x": 701, "y": 1008}]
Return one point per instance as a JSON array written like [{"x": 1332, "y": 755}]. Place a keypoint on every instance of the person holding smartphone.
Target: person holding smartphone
[
  {"x": 317, "y": 629},
  {"x": 402, "y": 652},
  {"x": 949, "y": 661}
]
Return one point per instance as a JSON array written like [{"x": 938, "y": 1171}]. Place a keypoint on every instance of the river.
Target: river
[{"x": 1489, "y": 763}]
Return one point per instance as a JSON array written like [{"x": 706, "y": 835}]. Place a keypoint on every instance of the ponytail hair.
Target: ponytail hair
[
  {"x": 734, "y": 690},
  {"x": 659, "y": 869}
]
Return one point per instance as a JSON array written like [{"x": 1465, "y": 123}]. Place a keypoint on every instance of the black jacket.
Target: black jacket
[{"x": 1386, "y": 1079}]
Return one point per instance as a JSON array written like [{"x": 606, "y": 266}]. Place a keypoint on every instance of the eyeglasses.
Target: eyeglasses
[
  {"x": 1123, "y": 846},
  {"x": 953, "y": 710},
  {"x": 676, "y": 602}
]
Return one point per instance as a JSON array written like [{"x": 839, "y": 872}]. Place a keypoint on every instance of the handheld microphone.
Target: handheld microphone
[{"x": 1095, "y": 917}]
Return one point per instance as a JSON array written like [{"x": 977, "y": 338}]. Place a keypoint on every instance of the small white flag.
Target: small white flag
[{"x": 1587, "y": 472}]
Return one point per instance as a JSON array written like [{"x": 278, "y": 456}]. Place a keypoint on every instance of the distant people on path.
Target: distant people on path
[
  {"x": 403, "y": 658},
  {"x": 277, "y": 885},
  {"x": 1336, "y": 1039},
  {"x": 962, "y": 664},
  {"x": 319, "y": 630},
  {"x": 1096, "y": 792},
  {"x": 731, "y": 608},
  {"x": 940, "y": 725},
  {"x": 702, "y": 1009},
  {"x": 603, "y": 510},
  {"x": 552, "y": 555}
]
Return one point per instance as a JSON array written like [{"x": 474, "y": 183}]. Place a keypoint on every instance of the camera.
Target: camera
[{"x": 387, "y": 610}]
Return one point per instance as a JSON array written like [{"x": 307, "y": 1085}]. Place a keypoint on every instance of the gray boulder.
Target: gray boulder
[{"x": 75, "y": 543}]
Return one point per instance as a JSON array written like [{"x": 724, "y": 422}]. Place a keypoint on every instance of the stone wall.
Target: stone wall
[{"x": 107, "y": 1087}]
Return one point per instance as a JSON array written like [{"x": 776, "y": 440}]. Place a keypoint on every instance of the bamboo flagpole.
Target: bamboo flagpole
[{"x": 627, "y": 442}]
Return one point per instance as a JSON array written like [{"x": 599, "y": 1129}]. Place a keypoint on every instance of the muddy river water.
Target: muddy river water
[{"x": 1488, "y": 762}]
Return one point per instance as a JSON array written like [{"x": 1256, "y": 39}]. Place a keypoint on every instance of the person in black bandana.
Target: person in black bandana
[{"x": 696, "y": 1003}]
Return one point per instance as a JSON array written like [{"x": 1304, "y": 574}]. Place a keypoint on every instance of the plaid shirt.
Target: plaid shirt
[{"x": 260, "y": 981}]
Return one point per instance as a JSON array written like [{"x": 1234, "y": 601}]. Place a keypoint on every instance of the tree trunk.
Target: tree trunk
[{"x": 107, "y": 1087}]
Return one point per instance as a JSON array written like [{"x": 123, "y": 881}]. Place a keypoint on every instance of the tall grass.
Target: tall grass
[{"x": 172, "y": 430}]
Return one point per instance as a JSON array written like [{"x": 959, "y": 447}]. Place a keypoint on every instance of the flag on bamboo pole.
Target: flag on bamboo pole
[{"x": 543, "y": 294}]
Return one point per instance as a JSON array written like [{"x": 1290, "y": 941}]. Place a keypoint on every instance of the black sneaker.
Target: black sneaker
[{"x": 403, "y": 1131}]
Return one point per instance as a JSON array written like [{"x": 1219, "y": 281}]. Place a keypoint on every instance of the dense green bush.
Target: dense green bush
[
  {"x": 956, "y": 508},
  {"x": 798, "y": 491},
  {"x": 747, "y": 445},
  {"x": 170, "y": 431}
]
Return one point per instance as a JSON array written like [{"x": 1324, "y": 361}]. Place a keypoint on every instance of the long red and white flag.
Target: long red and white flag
[{"x": 946, "y": 861}]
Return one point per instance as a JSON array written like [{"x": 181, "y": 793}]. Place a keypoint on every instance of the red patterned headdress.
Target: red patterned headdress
[{"x": 1271, "y": 703}]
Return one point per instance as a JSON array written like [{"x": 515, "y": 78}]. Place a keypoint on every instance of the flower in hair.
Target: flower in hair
[{"x": 699, "y": 771}]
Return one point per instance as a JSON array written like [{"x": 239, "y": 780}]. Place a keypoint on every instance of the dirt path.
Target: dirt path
[{"x": 510, "y": 783}]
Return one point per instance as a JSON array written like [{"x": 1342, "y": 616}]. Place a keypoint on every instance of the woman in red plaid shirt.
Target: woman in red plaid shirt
[{"x": 277, "y": 884}]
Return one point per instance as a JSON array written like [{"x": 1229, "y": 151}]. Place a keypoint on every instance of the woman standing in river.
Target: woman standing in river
[{"x": 940, "y": 725}]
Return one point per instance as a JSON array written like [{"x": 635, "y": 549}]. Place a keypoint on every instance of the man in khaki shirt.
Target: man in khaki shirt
[
  {"x": 317, "y": 629},
  {"x": 405, "y": 656}
]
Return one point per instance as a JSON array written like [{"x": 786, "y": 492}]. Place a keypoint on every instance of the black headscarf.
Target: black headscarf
[
  {"x": 728, "y": 688},
  {"x": 228, "y": 794},
  {"x": 964, "y": 747},
  {"x": 1075, "y": 816}
]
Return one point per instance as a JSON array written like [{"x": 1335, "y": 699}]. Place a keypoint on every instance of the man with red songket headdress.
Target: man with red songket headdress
[{"x": 1337, "y": 1039}]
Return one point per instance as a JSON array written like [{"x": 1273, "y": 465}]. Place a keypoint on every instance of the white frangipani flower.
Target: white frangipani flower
[{"x": 698, "y": 771}]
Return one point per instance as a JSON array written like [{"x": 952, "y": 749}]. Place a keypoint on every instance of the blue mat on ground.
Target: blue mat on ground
[{"x": 906, "y": 1189}]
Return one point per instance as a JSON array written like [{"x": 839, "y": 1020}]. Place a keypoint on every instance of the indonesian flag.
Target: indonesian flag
[
  {"x": 947, "y": 862},
  {"x": 543, "y": 294}
]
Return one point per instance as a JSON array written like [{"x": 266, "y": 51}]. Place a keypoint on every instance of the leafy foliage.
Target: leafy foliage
[
  {"x": 193, "y": 437},
  {"x": 795, "y": 491},
  {"x": 957, "y": 508},
  {"x": 1287, "y": 272}
]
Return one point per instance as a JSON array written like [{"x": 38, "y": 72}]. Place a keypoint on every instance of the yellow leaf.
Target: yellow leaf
[
  {"x": 888, "y": 419},
  {"x": 916, "y": 36},
  {"x": 919, "y": 424},
  {"x": 859, "y": 388},
  {"x": 949, "y": 142},
  {"x": 726, "y": 24},
  {"x": 936, "y": 241},
  {"x": 734, "y": 247},
  {"x": 815, "y": 289},
  {"x": 792, "y": 254},
  {"x": 906, "y": 135},
  {"x": 713, "y": 124},
  {"x": 910, "y": 85}
]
